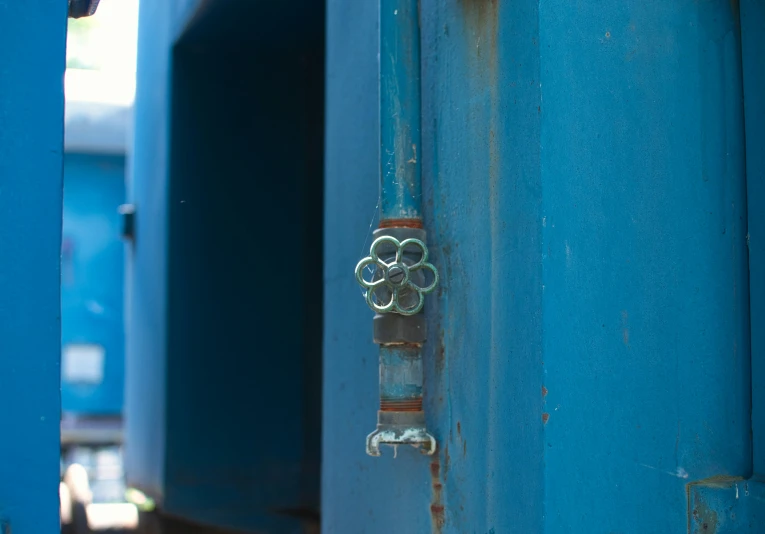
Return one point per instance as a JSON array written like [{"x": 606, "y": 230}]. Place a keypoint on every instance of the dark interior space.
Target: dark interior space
[{"x": 245, "y": 268}]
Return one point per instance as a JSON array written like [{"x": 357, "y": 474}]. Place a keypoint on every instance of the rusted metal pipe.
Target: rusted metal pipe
[
  {"x": 399, "y": 256},
  {"x": 400, "y": 96}
]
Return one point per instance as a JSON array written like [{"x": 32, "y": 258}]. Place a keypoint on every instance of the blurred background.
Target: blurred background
[
  {"x": 100, "y": 89},
  {"x": 191, "y": 365}
]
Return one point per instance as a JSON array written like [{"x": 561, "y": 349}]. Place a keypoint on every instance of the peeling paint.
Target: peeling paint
[{"x": 705, "y": 518}]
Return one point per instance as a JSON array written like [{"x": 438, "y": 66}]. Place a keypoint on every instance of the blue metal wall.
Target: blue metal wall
[
  {"x": 585, "y": 198},
  {"x": 753, "y": 42},
  {"x": 93, "y": 277},
  {"x": 146, "y": 267},
  {"x": 32, "y": 56}
]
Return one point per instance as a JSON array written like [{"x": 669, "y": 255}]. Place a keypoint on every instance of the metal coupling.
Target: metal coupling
[
  {"x": 82, "y": 8},
  {"x": 396, "y": 276}
]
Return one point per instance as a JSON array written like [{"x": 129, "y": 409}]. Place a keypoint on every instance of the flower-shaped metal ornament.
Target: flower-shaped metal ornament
[{"x": 398, "y": 282}]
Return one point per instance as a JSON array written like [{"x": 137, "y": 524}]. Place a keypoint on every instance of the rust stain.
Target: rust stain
[
  {"x": 459, "y": 429},
  {"x": 697, "y": 511},
  {"x": 480, "y": 12},
  {"x": 482, "y": 22},
  {"x": 464, "y": 448},
  {"x": 401, "y": 405},
  {"x": 401, "y": 223},
  {"x": 435, "y": 470},
  {"x": 437, "y": 511},
  {"x": 625, "y": 329},
  {"x": 545, "y": 417},
  {"x": 440, "y": 351},
  {"x": 485, "y": 120},
  {"x": 544, "y": 391},
  {"x": 705, "y": 519}
]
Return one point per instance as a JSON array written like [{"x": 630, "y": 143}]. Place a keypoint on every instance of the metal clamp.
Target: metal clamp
[
  {"x": 401, "y": 428},
  {"x": 396, "y": 276}
]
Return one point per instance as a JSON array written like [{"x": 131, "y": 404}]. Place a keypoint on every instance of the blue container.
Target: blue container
[
  {"x": 224, "y": 278},
  {"x": 585, "y": 200},
  {"x": 92, "y": 271},
  {"x": 92, "y": 281},
  {"x": 32, "y": 58}
]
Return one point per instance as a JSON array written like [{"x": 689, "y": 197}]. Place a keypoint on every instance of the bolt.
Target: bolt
[{"x": 396, "y": 274}]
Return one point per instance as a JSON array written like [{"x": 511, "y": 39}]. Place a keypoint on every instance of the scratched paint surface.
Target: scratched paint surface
[
  {"x": 584, "y": 197},
  {"x": 32, "y": 61},
  {"x": 482, "y": 181},
  {"x": 646, "y": 289},
  {"x": 400, "y": 138},
  {"x": 726, "y": 505}
]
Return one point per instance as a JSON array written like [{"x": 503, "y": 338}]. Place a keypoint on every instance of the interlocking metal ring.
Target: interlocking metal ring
[{"x": 395, "y": 276}]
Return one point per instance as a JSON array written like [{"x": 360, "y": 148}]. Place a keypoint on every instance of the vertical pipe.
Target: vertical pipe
[
  {"x": 400, "y": 335},
  {"x": 400, "y": 159},
  {"x": 400, "y": 378}
]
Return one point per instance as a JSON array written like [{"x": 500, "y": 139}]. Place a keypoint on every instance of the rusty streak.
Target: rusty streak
[
  {"x": 401, "y": 223},
  {"x": 401, "y": 405},
  {"x": 437, "y": 510}
]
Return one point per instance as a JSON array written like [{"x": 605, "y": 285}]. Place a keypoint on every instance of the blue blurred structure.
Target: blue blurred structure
[
  {"x": 92, "y": 258},
  {"x": 92, "y": 287},
  {"x": 32, "y": 55}
]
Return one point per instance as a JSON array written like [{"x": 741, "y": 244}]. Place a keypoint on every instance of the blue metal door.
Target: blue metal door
[{"x": 588, "y": 365}]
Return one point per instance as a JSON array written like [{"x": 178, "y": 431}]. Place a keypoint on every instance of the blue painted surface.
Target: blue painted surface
[
  {"x": 583, "y": 172},
  {"x": 32, "y": 60},
  {"x": 92, "y": 277},
  {"x": 146, "y": 266},
  {"x": 753, "y": 43},
  {"x": 224, "y": 325},
  {"x": 646, "y": 285},
  {"x": 400, "y": 111}
]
